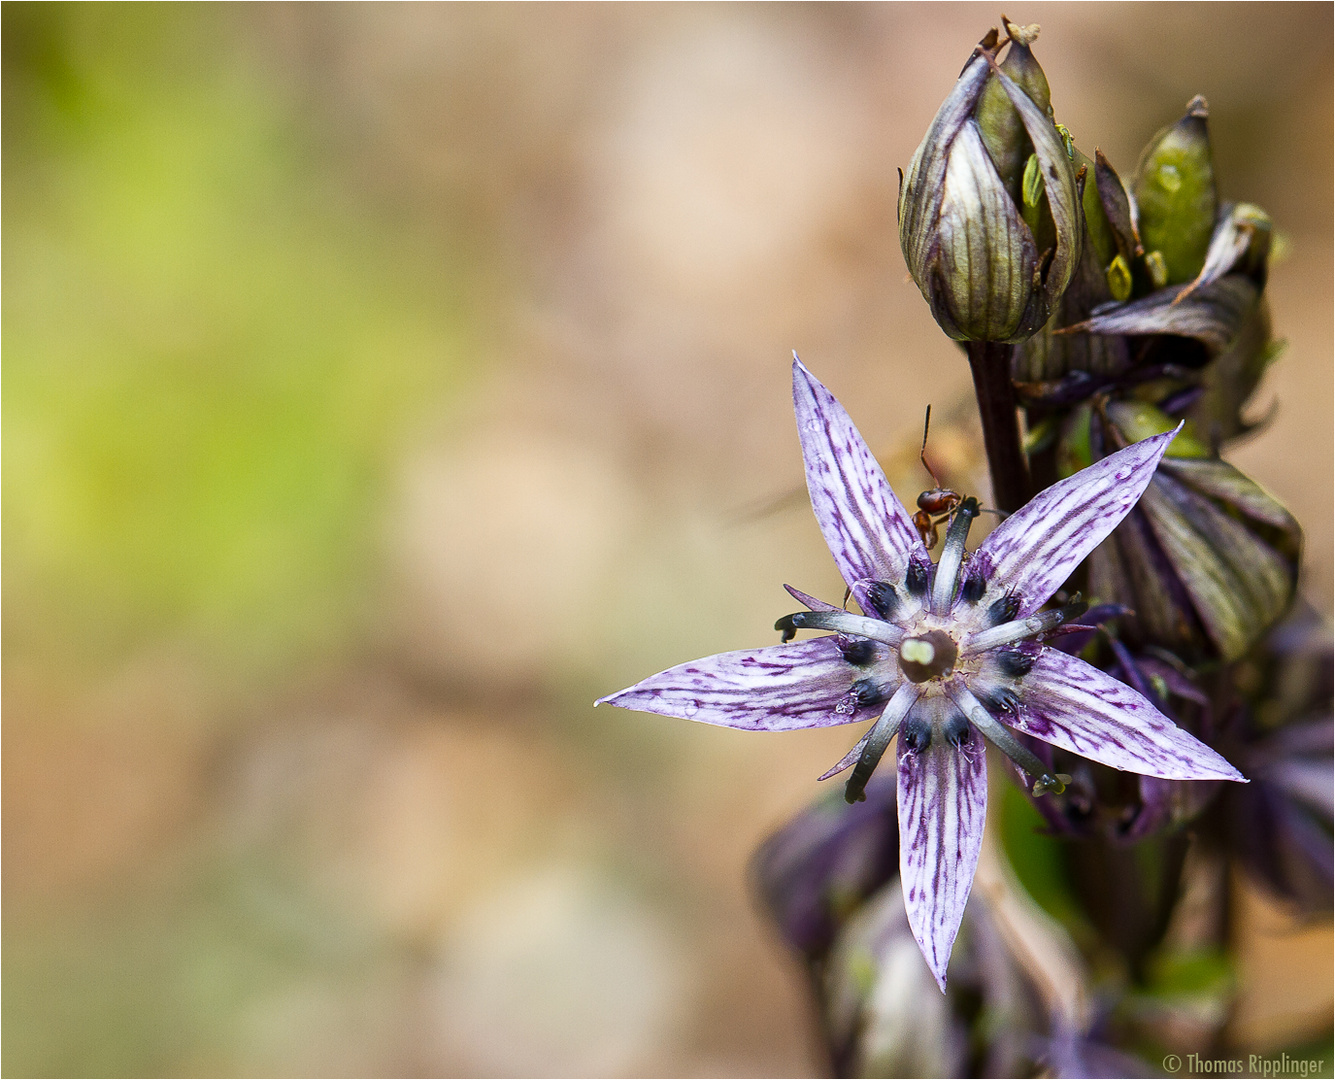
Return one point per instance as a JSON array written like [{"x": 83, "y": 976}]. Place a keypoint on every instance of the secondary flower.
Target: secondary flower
[{"x": 945, "y": 656}]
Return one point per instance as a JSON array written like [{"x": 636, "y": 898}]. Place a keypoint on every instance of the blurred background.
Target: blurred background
[{"x": 384, "y": 383}]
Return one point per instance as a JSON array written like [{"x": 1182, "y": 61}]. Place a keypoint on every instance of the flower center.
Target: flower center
[{"x": 928, "y": 656}]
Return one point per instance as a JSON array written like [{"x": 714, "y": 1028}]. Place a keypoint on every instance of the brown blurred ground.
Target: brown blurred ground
[{"x": 363, "y": 820}]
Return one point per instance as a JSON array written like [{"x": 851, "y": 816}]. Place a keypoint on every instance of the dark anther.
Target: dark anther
[
  {"x": 1003, "y": 610},
  {"x": 956, "y": 730},
  {"x": 1073, "y": 610},
  {"x": 1014, "y": 663},
  {"x": 974, "y": 587},
  {"x": 857, "y": 651},
  {"x": 917, "y": 579},
  {"x": 917, "y": 734},
  {"x": 1001, "y": 699},
  {"x": 870, "y": 692},
  {"x": 882, "y": 599},
  {"x": 790, "y": 624}
]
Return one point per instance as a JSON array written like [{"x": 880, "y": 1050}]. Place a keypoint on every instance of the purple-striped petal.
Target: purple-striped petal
[
  {"x": 1035, "y": 549},
  {"x": 942, "y": 806},
  {"x": 868, "y": 531},
  {"x": 799, "y": 685},
  {"x": 1070, "y": 704}
]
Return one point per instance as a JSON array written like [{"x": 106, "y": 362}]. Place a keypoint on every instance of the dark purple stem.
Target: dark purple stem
[{"x": 990, "y": 362}]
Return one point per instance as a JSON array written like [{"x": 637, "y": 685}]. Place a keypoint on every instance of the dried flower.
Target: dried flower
[
  {"x": 1279, "y": 828},
  {"x": 819, "y": 868},
  {"x": 1208, "y": 560},
  {"x": 947, "y": 655}
]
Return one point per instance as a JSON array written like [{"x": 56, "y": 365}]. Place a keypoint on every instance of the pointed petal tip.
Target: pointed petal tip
[
  {"x": 1159, "y": 444},
  {"x": 936, "y": 965},
  {"x": 801, "y": 373},
  {"x": 865, "y": 526},
  {"x": 1234, "y": 775}
]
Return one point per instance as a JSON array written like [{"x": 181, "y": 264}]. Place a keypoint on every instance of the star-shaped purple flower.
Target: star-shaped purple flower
[{"x": 943, "y": 654}]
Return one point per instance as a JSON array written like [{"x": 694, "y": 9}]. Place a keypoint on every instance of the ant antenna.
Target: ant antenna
[{"x": 922, "y": 454}]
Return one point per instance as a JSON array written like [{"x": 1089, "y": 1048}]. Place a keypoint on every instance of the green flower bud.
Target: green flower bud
[
  {"x": 989, "y": 270},
  {"x": 1119, "y": 279},
  {"x": 1175, "y": 194},
  {"x": 1156, "y": 268}
]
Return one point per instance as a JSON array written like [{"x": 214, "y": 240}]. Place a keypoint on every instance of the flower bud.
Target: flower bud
[
  {"x": 1117, "y": 210},
  {"x": 1175, "y": 194},
  {"x": 991, "y": 253}
]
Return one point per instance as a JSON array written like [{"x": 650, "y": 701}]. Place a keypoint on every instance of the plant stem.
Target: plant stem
[{"x": 990, "y": 363}]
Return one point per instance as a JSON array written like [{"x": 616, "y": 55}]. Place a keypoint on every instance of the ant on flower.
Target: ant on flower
[{"x": 937, "y": 506}]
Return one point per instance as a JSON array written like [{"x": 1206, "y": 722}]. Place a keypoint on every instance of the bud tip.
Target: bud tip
[{"x": 1021, "y": 35}]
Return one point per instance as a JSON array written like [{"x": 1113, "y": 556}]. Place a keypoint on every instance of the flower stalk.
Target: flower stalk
[{"x": 990, "y": 365}]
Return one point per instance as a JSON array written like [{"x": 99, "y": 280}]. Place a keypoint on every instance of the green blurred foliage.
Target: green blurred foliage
[
  {"x": 212, "y": 346},
  {"x": 180, "y": 981},
  {"x": 216, "y": 348}
]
